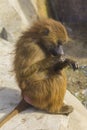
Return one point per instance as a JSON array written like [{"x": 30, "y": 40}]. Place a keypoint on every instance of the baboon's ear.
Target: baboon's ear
[{"x": 45, "y": 31}]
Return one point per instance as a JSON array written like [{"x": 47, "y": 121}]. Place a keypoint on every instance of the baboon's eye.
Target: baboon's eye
[{"x": 46, "y": 31}]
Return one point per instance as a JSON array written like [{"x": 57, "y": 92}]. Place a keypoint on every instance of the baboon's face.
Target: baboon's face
[{"x": 54, "y": 35}]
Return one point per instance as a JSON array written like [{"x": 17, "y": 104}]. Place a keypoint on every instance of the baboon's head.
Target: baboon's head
[{"x": 51, "y": 34}]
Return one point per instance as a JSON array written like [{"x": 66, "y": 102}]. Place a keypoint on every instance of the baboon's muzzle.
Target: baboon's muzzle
[{"x": 57, "y": 51}]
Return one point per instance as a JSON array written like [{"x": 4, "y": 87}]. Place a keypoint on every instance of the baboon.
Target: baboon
[{"x": 39, "y": 68}]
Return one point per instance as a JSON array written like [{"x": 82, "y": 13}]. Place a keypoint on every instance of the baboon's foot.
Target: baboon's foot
[{"x": 65, "y": 110}]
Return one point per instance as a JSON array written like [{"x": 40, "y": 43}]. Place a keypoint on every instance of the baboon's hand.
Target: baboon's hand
[{"x": 71, "y": 63}]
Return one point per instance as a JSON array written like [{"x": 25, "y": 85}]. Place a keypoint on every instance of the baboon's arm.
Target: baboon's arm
[
  {"x": 67, "y": 62},
  {"x": 48, "y": 63},
  {"x": 40, "y": 66}
]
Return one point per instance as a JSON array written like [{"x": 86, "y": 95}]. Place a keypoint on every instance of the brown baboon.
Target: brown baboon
[{"x": 39, "y": 68}]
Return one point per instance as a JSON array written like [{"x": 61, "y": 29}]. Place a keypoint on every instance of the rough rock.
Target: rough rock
[{"x": 10, "y": 20}]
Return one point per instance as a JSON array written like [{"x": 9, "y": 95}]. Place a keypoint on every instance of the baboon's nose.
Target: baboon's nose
[{"x": 57, "y": 51}]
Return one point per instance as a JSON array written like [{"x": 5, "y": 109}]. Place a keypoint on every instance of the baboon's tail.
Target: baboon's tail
[{"x": 20, "y": 107}]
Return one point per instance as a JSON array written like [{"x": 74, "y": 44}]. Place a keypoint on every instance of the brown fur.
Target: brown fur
[{"x": 35, "y": 67}]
